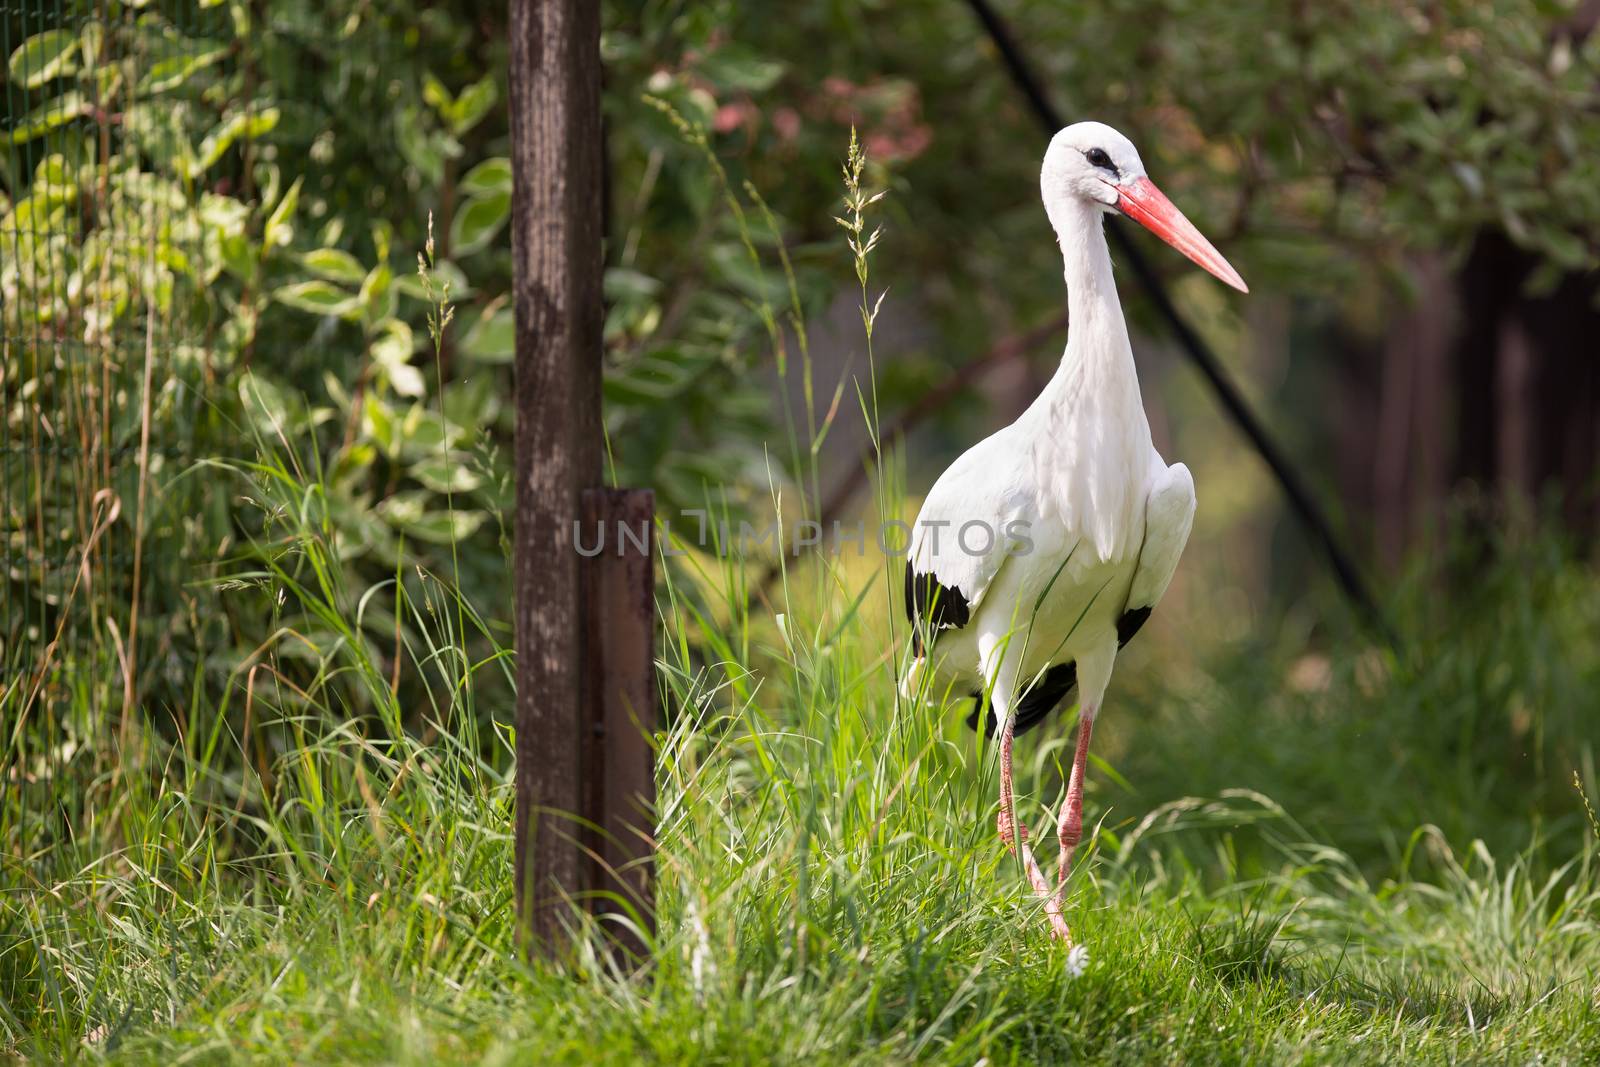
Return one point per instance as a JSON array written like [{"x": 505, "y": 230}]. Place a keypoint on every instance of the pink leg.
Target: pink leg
[
  {"x": 1070, "y": 829},
  {"x": 1013, "y": 833},
  {"x": 1006, "y": 822}
]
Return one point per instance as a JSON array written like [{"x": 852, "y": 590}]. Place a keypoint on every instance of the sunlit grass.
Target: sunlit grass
[
  {"x": 1298, "y": 850},
  {"x": 337, "y": 887}
]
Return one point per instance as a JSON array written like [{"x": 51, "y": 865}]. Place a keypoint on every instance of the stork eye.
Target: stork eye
[{"x": 1097, "y": 157}]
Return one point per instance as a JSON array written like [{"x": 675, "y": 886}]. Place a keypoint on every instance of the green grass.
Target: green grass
[
  {"x": 332, "y": 882},
  {"x": 1300, "y": 848}
]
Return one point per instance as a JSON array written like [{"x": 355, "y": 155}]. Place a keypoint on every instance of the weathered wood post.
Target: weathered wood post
[
  {"x": 585, "y": 625},
  {"x": 619, "y": 601}
]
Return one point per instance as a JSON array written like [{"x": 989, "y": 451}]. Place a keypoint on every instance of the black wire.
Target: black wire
[{"x": 1233, "y": 402}]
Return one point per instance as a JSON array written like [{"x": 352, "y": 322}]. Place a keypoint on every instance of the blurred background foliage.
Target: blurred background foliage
[{"x": 233, "y": 197}]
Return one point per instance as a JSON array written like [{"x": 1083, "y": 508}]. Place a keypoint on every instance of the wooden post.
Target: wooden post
[
  {"x": 586, "y": 692},
  {"x": 556, "y": 253},
  {"x": 619, "y": 599}
]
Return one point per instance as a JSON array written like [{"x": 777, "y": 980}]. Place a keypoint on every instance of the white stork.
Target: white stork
[{"x": 1042, "y": 550}]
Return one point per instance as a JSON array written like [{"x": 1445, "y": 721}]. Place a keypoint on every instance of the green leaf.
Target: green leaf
[
  {"x": 405, "y": 380},
  {"x": 425, "y": 431},
  {"x": 394, "y": 344},
  {"x": 472, "y": 105},
  {"x": 108, "y": 83},
  {"x": 473, "y": 403},
  {"x": 655, "y": 378},
  {"x": 318, "y": 298},
  {"x": 160, "y": 132},
  {"x": 278, "y": 230},
  {"x": 379, "y": 424},
  {"x": 423, "y": 148},
  {"x": 622, "y": 284},
  {"x": 246, "y": 124},
  {"x": 734, "y": 66},
  {"x": 266, "y": 405},
  {"x": 391, "y": 352},
  {"x": 461, "y": 113},
  {"x": 334, "y": 264},
  {"x": 378, "y": 298},
  {"x": 409, "y": 512},
  {"x": 447, "y": 474},
  {"x": 161, "y": 193},
  {"x": 488, "y": 178},
  {"x": 240, "y": 256},
  {"x": 476, "y": 224},
  {"x": 44, "y": 57},
  {"x": 55, "y": 179},
  {"x": 51, "y": 114},
  {"x": 443, "y": 272},
  {"x": 90, "y": 39},
  {"x": 224, "y": 213},
  {"x": 173, "y": 71},
  {"x": 350, "y": 464},
  {"x": 382, "y": 239},
  {"x": 492, "y": 339},
  {"x": 435, "y": 93}
]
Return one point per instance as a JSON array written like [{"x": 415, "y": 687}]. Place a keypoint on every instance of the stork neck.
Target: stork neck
[
  {"x": 1091, "y": 290},
  {"x": 1090, "y": 441},
  {"x": 1098, "y": 362}
]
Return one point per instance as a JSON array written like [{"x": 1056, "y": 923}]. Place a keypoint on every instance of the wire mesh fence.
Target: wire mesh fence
[
  {"x": 104, "y": 312},
  {"x": 210, "y": 219}
]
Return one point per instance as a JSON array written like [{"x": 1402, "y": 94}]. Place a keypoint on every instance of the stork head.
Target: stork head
[{"x": 1090, "y": 163}]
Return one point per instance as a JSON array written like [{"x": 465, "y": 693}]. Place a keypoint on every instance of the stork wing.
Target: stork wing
[
  {"x": 961, "y": 537},
  {"x": 1169, "y": 513},
  {"x": 1168, "y": 516}
]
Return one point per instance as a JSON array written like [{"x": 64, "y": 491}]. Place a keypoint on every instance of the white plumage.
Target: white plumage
[{"x": 1041, "y": 550}]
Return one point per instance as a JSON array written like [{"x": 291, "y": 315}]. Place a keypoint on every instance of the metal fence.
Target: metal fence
[
  {"x": 103, "y": 262},
  {"x": 210, "y": 217}
]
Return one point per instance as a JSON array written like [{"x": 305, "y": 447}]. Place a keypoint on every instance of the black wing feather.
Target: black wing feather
[
  {"x": 1036, "y": 704},
  {"x": 1131, "y": 622},
  {"x": 1057, "y": 685},
  {"x": 938, "y": 607}
]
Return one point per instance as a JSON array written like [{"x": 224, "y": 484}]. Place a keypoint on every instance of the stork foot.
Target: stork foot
[
  {"x": 1011, "y": 827},
  {"x": 1030, "y": 866},
  {"x": 1046, "y": 893}
]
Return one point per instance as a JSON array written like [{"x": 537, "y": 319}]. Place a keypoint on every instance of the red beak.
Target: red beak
[{"x": 1149, "y": 206}]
